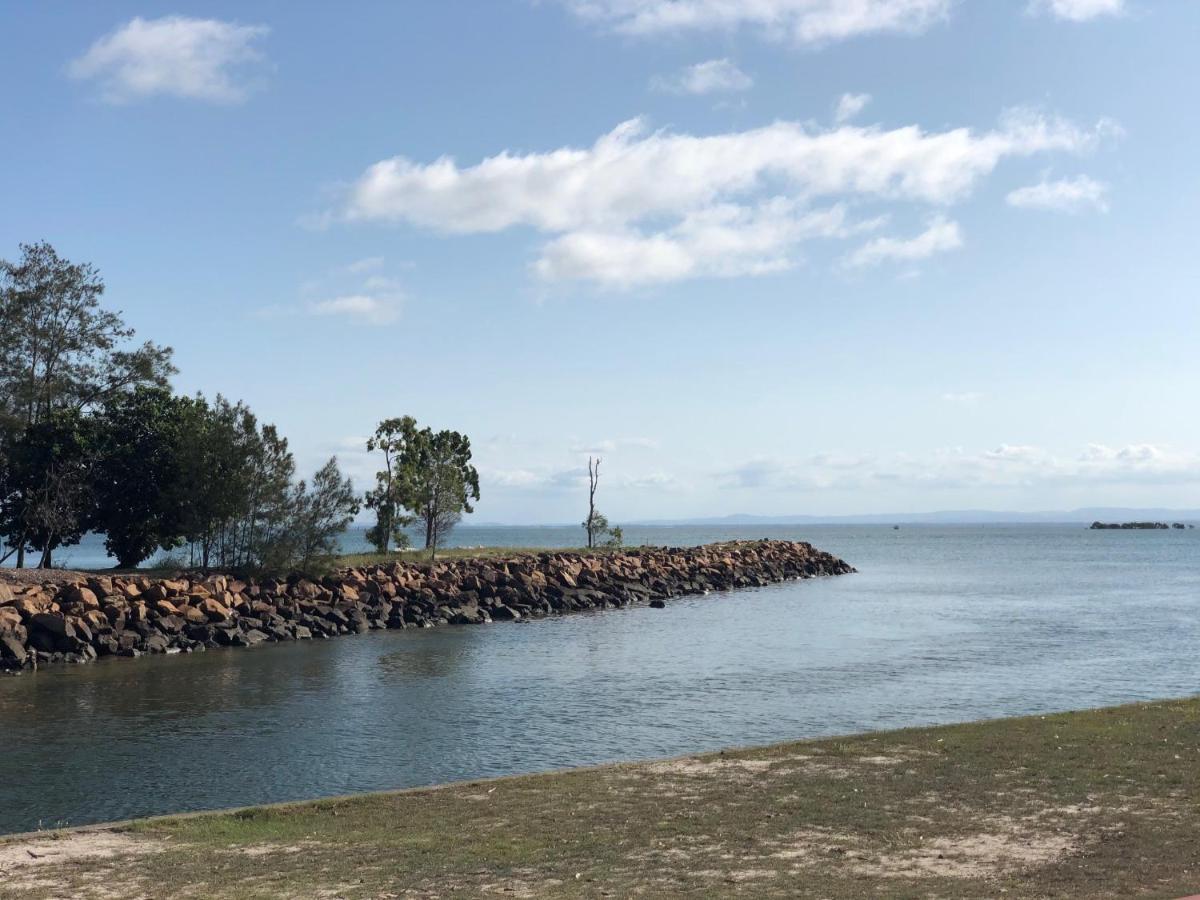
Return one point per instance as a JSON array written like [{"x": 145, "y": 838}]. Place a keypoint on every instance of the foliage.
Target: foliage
[
  {"x": 442, "y": 483},
  {"x": 317, "y": 515},
  {"x": 58, "y": 348},
  {"x": 50, "y": 500},
  {"x": 142, "y": 442},
  {"x": 428, "y": 478},
  {"x": 600, "y": 533},
  {"x": 392, "y": 438},
  {"x": 61, "y": 355}
]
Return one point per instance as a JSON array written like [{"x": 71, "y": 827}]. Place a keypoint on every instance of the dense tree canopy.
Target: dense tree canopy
[{"x": 92, "y": 439}]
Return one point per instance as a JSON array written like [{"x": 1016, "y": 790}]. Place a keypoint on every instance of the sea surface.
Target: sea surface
[{"x": 941, "y": 624}]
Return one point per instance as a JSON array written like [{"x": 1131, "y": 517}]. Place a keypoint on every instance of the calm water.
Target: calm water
[{"x": 941, "y": 625}]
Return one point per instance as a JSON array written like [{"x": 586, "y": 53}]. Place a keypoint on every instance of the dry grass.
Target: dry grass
[{"x": 1103, "y": 803}]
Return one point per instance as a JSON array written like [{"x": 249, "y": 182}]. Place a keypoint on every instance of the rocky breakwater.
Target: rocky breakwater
[{"x": 130, "y": 615}]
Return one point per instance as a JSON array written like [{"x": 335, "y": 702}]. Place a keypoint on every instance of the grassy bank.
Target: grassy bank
[
  {"x": 1102, "y": 803},
  {"x": 354, "y": 560}
]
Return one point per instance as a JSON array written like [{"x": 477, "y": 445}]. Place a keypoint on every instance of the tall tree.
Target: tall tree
[
  {"x": 60, "y": 352},
  {"x": 49, "y": 475},
  {"x": 441, "y": 483},
  {"x": 318, "y": 514},
  {"x": 392, "y": 438},
  {"x": 592, "y": 524},
  {"x": 58, "y": 348},
  {"x": 141, "y": 441}
]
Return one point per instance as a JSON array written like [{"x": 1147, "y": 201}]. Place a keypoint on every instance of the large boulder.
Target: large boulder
[{"x": 12, "y": 651}]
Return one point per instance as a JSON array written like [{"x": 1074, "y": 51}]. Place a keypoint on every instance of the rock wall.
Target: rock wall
[{"x": 134, "y": 615}]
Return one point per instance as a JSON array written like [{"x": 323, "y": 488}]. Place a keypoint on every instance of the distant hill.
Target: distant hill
[{"x": 1085, "y": 515}]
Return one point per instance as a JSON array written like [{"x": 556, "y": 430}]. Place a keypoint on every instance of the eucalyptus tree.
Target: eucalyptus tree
[{"x": 393, "y": 438}]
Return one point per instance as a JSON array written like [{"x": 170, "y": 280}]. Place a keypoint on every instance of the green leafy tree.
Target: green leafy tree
[
  {"x": 392, "y": 438},
  {"x": 142, "y": 438},
  {"x": 236, "y": 477},
  {"x": 49, "y": 476},
  {"x": 60, "y": 352},
  {"x": 440, "y": 483},
  {"x": 317, "y": 515}
]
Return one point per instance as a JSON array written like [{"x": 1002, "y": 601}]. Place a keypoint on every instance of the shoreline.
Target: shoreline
[
  {"x": 1099, "y": 802},
  {"x": 78, "y": 621}
]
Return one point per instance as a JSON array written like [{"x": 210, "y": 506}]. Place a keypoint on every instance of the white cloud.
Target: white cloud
[
  {"x": 1078, "y": 10},
  {"x": 1006, "y": 466},
  {"x": 849, "y": 106},
  {"x": 611, "y": 445},
  {"x": 200, "y": 59},
  {"x": 652, "y": 206},
  {"x": 366, "y": 264},
  {"x": 804, "y": 21},
  {"x": 716, "y": 76},
  {"x": 374, "y": 309},
  {"x": 722, "y": 241},
  {"x": 941, "y": 235},
  {"x": 1065, "y": 195}
]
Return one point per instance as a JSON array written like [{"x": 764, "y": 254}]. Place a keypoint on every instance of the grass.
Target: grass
[
  {"x": 1101, "y": 803},
  {"x": 355, "y": 560}
]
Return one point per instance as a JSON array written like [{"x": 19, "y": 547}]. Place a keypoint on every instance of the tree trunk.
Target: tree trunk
[{"x": 21, "y": 553}]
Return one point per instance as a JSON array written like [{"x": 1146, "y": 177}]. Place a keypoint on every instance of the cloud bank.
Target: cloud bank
[{"x": 642, "y": 206}]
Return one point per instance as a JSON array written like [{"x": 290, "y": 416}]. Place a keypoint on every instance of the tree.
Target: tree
[
  {"x": 235, "y": 482},
  {"x": 58, "y": 348},
  {"x": 60, "y": 352},
  {"x": 440, "y": 483},
  {"x": 317, "y": 515},
  {"x": 142, "y": 439},
  {"x": 49, "y": 477},
  {"x": 596, "y": 524},
  {"x": 592, "y": 523},
  {"x": 392, "y": 438}
]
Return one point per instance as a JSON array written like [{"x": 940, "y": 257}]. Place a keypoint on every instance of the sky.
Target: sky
[{"x": 770, "y": 257}]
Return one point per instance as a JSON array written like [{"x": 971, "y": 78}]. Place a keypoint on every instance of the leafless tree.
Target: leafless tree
[{"x": 591, "y": 524}]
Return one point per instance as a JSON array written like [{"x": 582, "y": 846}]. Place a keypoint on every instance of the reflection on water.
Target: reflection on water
[{"x": 942, "y": 624}]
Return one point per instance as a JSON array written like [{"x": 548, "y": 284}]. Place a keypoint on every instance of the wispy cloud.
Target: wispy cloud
[
  {"x": 199, "y": 59},
  {"x": 963, "y": 398},
  {"x": 376, "y": 310},
  {"x": 716, "y": 76},
  {"x": 1066, "y": 195},
  {"x": 941, "y": 235},
  {"x": 849, "y": 106},
  {"x": 803, "y": 21},
  {"x": 1004, "y": 467},
  {"x": 1078, "y": 10}
]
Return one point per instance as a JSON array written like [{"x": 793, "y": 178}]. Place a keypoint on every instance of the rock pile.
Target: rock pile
[{"x": 134, "y": 615}]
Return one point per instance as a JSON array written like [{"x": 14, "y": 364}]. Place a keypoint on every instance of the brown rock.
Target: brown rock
[{"x": 213, "y": 610}]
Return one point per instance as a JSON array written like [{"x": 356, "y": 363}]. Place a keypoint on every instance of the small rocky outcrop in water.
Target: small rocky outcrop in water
[
  {"x": 1137, "y": 526},
  {"x": 133, "y": 615}
]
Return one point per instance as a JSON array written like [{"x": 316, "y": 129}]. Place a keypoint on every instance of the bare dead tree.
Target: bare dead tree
[{"x": 593, "y": 481}]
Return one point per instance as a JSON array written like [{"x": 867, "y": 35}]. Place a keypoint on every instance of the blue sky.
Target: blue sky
[{"x": 811, "y": 256}]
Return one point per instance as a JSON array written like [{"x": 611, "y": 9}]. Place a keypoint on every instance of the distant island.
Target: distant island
[{"x": 1144, "y": 526}]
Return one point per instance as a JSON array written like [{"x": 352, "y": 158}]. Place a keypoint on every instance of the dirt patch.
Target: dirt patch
[
  {"x": 707, "y": 767},
  {"x": 48, "y": 863},
  {"x": 981, "y": 855}
]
